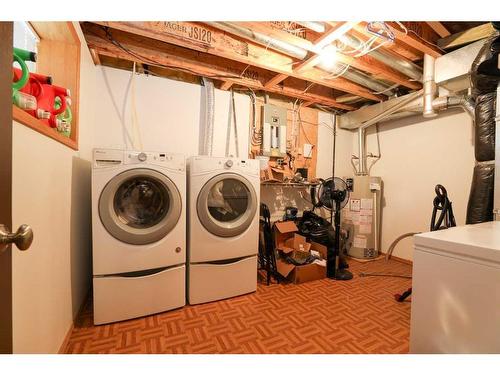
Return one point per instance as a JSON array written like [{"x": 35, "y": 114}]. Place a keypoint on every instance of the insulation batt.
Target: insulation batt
[
  {"x": 485, "y": 126},
  {"x": 480, "y": 206},
  {"x": 484, "y": 71},
  {"x": 485, "y": 77}
]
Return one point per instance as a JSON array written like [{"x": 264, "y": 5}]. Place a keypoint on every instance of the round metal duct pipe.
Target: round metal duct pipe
[
  {"x": 365, "y": 80},
  {"x": 300, "y": 53},
  {"x": 261, "y": 38},
  {"x": 401, "y": 65},
  {"x": 430, "y": 89},
  {"x": 319, "y": 27}
]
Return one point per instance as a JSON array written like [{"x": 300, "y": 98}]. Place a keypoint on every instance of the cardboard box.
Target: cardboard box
[
  {"x": 290, "y": 243},
  {"x": 283, "y": 230}
]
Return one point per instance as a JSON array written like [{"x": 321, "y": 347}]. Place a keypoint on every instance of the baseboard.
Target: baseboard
[
  {"x": 401, "y": 260},
  {"x": 62, "y": 348}
]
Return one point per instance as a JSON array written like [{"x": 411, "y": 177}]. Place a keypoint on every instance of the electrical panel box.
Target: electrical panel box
[{"x": 274, "y": 130}]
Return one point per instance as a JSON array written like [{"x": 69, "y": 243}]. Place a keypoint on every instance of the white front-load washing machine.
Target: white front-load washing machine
[
  {"x": 223, "y": 230},
  {"x": 139, "y": 233}
]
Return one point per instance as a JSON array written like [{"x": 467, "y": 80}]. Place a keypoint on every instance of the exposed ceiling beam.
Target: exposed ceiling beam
[
  {"x": 335, "y": 32},
  {"x": 397, "y": 48},
  {"x": 95, "y": 57},
  {"x": 414, "y": 40},
  {"x": 226, "y": 85},
  {"x": 275, "y": 80},
  {"x": 467, "y": 36},
  {"x": 207, "y": 39},
  {"x": 267, "y": 29},
  {"x": 364, "y": 63},
  {"x": 307, "y": 104},
  {"x": 439, "y": 28},
  {"x": 155, "y": 53}
]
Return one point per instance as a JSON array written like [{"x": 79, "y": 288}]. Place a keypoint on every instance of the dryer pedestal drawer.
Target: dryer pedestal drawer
[
  {"x": 211, "y": 282},
  {"x": 122, "y": 297}
]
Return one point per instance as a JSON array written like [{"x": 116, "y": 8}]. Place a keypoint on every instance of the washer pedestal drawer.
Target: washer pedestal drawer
[
  {"x": 211, "y": 282},
  {"x": 125, "y": 297}
]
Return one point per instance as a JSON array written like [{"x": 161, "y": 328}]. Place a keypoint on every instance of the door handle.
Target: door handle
[{"x": 22, "y": 238}]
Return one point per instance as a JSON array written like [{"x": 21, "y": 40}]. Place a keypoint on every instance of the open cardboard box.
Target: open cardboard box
[{"x": 290, "y": 243}]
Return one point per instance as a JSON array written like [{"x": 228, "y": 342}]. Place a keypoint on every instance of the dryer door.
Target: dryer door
[
  {"x": 140, "y": 206},
  {"x": 227, "y": 204}
]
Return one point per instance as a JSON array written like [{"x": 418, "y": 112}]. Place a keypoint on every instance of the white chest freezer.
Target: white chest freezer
[{"x": 455, "y": 304}]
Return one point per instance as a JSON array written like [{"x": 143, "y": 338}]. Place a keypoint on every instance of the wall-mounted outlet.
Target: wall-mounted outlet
[{"x": 308, "y": 150}]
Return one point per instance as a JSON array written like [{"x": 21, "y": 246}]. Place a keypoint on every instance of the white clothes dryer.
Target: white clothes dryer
[{"x": 223, "y": 229}]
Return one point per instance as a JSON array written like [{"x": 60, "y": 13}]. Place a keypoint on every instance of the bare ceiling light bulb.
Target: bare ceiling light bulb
[{"x": 328, "y": 57}]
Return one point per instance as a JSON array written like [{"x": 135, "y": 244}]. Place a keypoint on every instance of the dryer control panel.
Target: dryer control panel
[{"x": 204, "y": 164}]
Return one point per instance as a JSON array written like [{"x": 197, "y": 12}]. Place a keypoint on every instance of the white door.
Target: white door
[
  {"x": 140, "y": 206},
  {"x": 227, "y": 204}
]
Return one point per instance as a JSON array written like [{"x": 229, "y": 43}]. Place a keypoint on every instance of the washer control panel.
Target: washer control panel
[{"x": 105, "y": 158}]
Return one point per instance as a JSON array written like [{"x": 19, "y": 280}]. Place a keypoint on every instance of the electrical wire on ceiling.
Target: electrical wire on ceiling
[
  {"x": 143, "y": 59},
  {"x": 387, "y": 89},
  {"x": 262, "y": 55},
  {"x": 406, "y": 31},
  {"x": 337, "y": 74}
]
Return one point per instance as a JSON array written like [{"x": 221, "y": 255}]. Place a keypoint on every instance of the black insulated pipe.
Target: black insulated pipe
[{"x": 485, "y": 76}]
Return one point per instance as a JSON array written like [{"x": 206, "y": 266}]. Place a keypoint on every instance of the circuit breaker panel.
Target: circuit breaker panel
[{"x": 274, "y": 130}]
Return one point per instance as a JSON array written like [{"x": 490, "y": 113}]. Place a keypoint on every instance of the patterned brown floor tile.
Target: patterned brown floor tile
[{"x": 324, "y": 316}]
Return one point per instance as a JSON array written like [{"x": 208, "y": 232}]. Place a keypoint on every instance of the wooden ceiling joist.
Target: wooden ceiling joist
[
  {"x": 197, "y": 49},
  {"x": 414, "y": 41},
  {"x": 275, "y": 80},
  {"x": 156, "y": 53},
  {"x": 467, "y": 36},
  {"x": 335, "y": 32},
  {"x": 226, "y": 85},
  {"x": 439, "y": 29},
  {"x": 364, "y": 63},
  {"x": 397, "y": 48},
  {"x": 95, "y": 57},
  {"x": 200, "y": 37}
]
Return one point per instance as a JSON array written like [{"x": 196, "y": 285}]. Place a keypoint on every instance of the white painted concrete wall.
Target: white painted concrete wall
[
  {"x": 168, "y": 114},
  {"x": 417, "y": 154}
]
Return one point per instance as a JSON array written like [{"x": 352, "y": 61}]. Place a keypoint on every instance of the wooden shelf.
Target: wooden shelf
[
  {"x": 37, "y": 125},
  {"x": 58, "y": 56},
  {"x": 289, "y": 184}
]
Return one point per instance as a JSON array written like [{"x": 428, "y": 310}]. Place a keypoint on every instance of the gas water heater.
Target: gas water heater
[{"x": 361, "y": 216}]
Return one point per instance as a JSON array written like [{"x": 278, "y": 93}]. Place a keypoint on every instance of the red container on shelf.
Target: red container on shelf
[{"x": 41, "y": 87}]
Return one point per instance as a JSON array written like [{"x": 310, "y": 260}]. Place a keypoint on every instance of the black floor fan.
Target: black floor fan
[{"x": 334, "y": 195}]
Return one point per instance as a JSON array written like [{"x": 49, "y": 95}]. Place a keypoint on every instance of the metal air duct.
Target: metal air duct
[
  {"x": 299, "y": 53},
  {"x": 260, "y": 38},
  {"x": 399, "y": 64},
  {"x": 430, "y": 89},
  {"x": 312, "y": 25}
]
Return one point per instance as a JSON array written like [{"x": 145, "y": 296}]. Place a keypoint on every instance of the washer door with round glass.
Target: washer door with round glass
[
  {"x": 140, "y": 206},
  {"x": 227, "y": 204}
]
